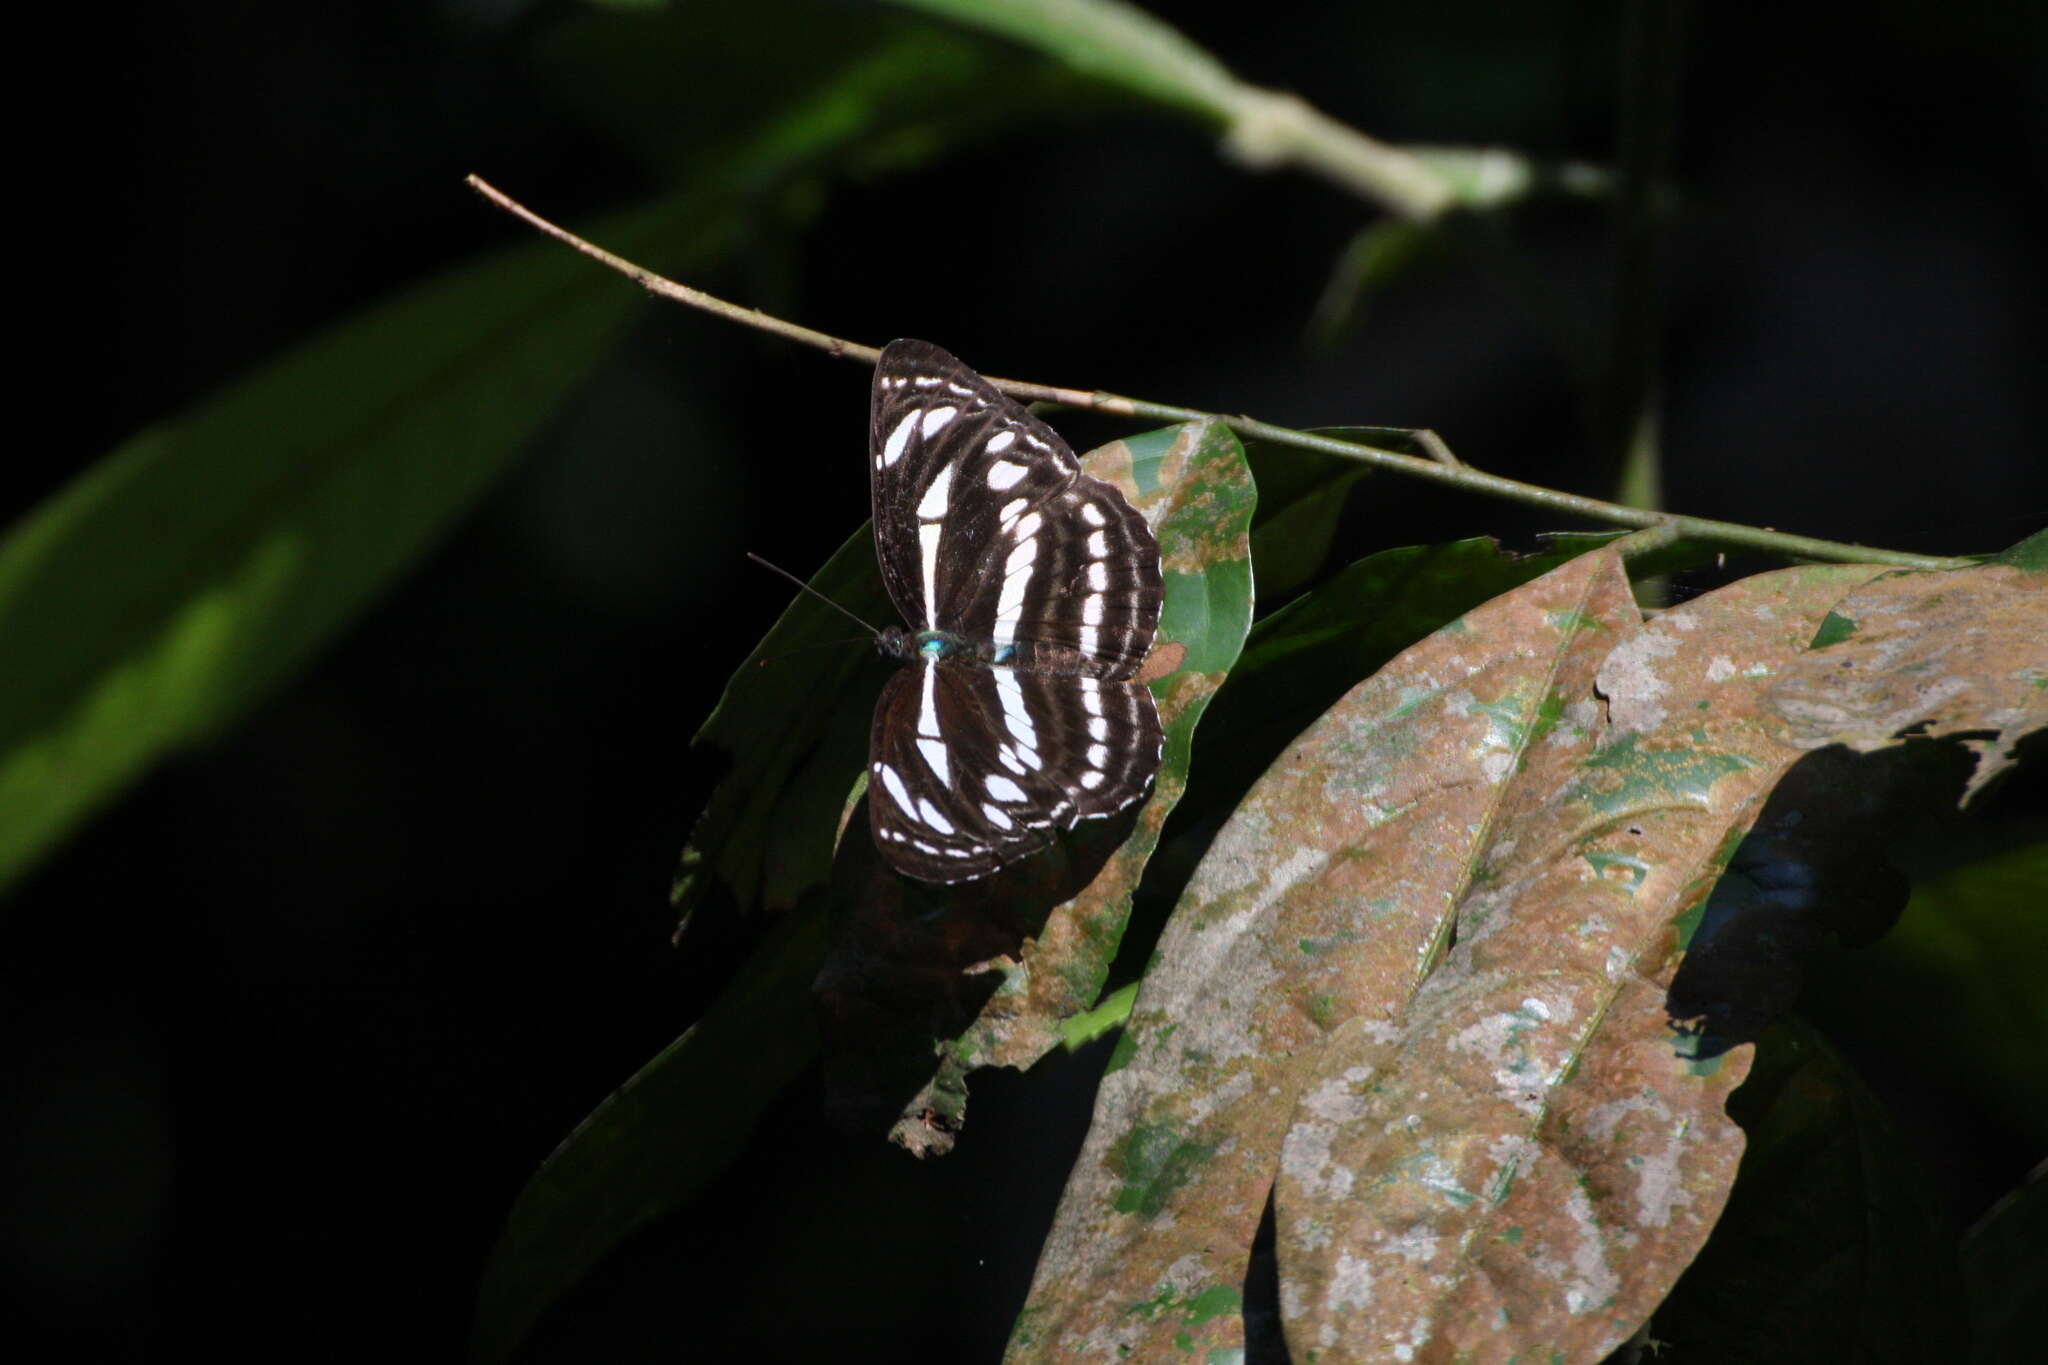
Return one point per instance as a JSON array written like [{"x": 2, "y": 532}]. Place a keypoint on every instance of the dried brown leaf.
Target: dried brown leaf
[
  {"x": 1325, "y": 898},
  {"x": 1525, "y": 1164},
  {"x": 1519, "y": 1137}
]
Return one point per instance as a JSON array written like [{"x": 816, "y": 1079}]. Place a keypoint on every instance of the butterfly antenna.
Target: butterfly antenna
[{"x": 813, "y": 592}]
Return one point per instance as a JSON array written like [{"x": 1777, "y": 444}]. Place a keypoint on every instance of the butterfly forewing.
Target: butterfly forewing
[
  {"x": 1046, "y": 585},
  {"x": 950, "y": 455}
]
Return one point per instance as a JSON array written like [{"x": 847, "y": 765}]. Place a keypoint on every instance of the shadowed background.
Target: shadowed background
[{"x": 290, "y": 1023}]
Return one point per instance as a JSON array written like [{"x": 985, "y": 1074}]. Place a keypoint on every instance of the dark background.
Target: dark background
[{"x": 286, "y": 1029}]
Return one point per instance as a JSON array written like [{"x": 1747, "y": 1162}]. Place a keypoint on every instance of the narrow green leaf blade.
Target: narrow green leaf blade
[{"x": 186, "y": 575}]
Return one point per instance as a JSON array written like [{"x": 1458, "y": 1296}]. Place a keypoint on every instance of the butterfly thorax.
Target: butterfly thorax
[{"x": 941, "y": 647}]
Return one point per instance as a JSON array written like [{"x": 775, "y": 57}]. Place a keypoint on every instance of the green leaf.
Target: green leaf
[
  {"x": 1831, "y": 1247},
  {"x": 793, "y": 735},
  {"x": 1971, "y": 952},
  {"x": 1113, "y": 42},
  {"x": 654, "y": 1145},
  {"x": 2030, "y": 554},
  {"x": 191, "y": 571},
  {"x": 1302, "y": 494}
]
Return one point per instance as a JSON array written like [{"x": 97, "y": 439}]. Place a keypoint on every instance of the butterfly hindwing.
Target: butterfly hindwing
[{"x": 971, "y": 768}]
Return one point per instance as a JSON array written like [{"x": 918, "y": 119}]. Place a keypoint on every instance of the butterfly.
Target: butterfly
[{"x": 1032, "y": 593}]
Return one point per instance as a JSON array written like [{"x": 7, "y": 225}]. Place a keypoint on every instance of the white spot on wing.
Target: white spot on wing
[
  {"x": 1011, "y": 509},
  {"x": 1092, "y": 779},
  {"x": 933, "y": 818},
  {"x": 1098, "y": 545},
  {"x": 1098, "y": 575},
  {"x": 892, "y": 449},
  {"x": 996, "y": 817},
  {"x": 928, "y": 702},
  {"x": 1091, "y": 514},
  {"x": 1003, "y": 474},
  {"x": 1091, "y": 610},
  {"x": 1098, "y": 727},
  {"x": 1010, "y": 602},
  {"x": 928, "y": 560},
  {"x": 1098, "y": 754},
  {"x": 935, "y": 757},
  {"x": 1001, "y": 442},
  {"x": 1029, "y": 526},
  {"x": 936, "y": 419},
  {"x": 1002, "y": 788},
  {"x": 893, "y": 781},
  {"x": 933, "y": 504},
  {"x": 1015, "y": 718}
]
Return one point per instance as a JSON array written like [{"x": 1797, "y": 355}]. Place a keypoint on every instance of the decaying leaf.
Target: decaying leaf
[
  {"x": 937, "y": 982},
  {"x": 1515, "y": 1132},
  {"x": 1960, "y": 652},
  {"x": 1326, "y": 897}
]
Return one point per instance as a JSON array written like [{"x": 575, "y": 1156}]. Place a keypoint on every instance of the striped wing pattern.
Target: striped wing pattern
[{"x": 1046, "y": 584}]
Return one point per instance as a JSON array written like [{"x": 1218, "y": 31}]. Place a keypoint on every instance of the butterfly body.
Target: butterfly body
[
  {"x": 908, "y": 647},
  {"x": 1033, "y": 593}
]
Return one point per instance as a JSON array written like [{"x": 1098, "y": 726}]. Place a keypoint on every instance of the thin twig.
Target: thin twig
[
  {"x": 1455, "y": 474},
  {"x": 1435, "y": 447}
]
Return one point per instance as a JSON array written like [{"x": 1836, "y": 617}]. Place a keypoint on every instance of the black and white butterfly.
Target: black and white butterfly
[{"x": 1032, "y": 593}]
